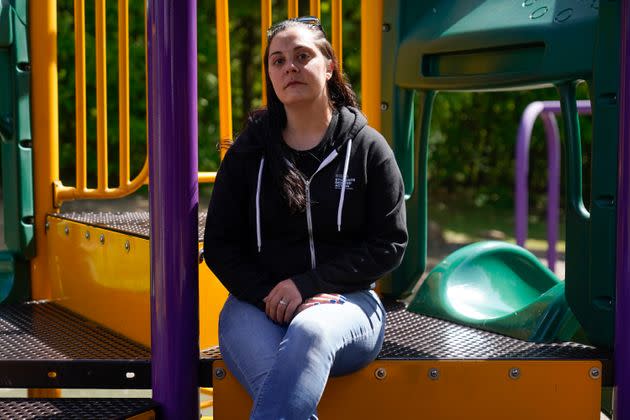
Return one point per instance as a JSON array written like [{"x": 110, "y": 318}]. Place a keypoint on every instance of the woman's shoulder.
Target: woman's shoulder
[
  {"x": 371, "y": 141},
  {"x": 249, "y": 142}
]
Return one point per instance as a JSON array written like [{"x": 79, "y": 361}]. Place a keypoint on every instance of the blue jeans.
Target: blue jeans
[{"x": 284, "y": 368}]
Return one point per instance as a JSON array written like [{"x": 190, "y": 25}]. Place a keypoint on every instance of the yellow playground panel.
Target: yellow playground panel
[
  {"x": 87, "y": 262},
  {"x": 449, "y": 390}
]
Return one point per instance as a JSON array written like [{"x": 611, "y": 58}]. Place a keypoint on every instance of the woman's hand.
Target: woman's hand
[
  {"x": 282, "y": 301},
  {"x": 321, "y": 299}
]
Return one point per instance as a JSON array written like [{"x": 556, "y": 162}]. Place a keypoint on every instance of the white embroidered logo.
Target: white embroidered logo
[{"x": 339, "y": 181}]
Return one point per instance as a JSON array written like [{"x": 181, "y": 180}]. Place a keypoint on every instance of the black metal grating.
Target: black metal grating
[
  {"x": 43, "y": 345},
  {"x": 412, "y": 336},
  {"x": 74, "y": 408},
  {"x": 132, "y": 222},
  {"x": 45, "y": 330}
]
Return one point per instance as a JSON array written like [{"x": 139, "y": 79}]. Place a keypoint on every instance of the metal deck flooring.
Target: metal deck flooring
[
  {"x": 74, "y": 408},
  {"x": 134, "y": 223},
  {"x": 44, "y": 345},
  {"x": 408, "y": 336}
]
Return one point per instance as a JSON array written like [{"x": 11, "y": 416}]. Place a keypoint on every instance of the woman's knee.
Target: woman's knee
[{"x": 310, "y": 331}]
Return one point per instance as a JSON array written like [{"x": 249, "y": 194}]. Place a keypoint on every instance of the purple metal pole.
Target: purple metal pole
[
  {"x": 523, "y": 138},
  {"x": 547, "y": 109},
  {"x": 173, "y": 205},
  {"x": 553, "y": 185},
  {"x": 622, "y": 302}
]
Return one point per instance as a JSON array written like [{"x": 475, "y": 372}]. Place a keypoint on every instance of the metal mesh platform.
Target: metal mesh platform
[
  {"x": 133, "y": 223},
  {"x": 410, "y": 336},
  {"x": 44, "y": 330},
  {"x": 413, "y": 336},
  {"x": 44, "y": 345},
  {"x": 74, "y": 408}
]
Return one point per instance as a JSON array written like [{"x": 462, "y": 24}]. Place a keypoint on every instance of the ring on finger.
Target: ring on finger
[{"x": 282, "y": 302}]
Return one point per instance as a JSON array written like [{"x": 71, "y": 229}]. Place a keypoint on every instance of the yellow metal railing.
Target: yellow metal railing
[
  {"x": 43, "y": 30},
  {"x": 102, "y": 190},
  {"x": 371, "y": 15}
]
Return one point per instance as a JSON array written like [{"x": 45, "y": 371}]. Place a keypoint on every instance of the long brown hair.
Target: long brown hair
[{"x": 274, "y": 118}]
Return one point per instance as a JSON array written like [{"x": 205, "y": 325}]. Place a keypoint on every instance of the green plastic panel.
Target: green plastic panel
[
  {"x": 11, "y": 269},
  {"x": 501, "y": 288},
  {"x": 591, "y": 242},
  {"x": 495, "y": 44},
  {"x": 481, "y": 45},
  {"x": 15, "y": 131},
  {"x": 6, "y": 25},
  {"x": 16, "y": 151}
]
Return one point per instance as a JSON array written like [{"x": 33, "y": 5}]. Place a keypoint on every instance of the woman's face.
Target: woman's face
[{"x": 297, "y": 68}]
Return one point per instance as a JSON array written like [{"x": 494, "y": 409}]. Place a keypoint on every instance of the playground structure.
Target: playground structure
[
  {"x": 88, "y": 304},
  {"x": 547, "y": 111}
]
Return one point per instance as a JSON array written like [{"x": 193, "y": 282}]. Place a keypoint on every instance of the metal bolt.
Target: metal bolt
[
  {"x": 386, "y": 27},
  {"x": 384, "y": 106},
  {"x": 380, "y": 373},
  {"x": 219, "y": 373},
  {"x": 101, "y": 239},
  {"x": 515, "y": 373},
  {"x": 127, "y": 246},
  {"x": 24, "y": 66},
  {"x": 434, "y": 374},
  {"x": 87, "y": 235},
  {"x": 594, "y": 373},
  {"x": 46, "y": 226},
  {"x": 66, "y": 230}
]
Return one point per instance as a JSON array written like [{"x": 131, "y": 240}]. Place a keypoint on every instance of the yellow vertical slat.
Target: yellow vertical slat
[
  {"x": 44, "y": 107},
  {"x": 337, "y": 31},
  {"x": 223, "y": 65},
  {"x": 101, "y": 96},
  {"x": 79, "y": 91},
  {"x": 371, "y": 45},
  {"x": 123, "y": 92},
  {"x": 265, "y": 23},
  {"x": 293, "y": 8},
  {"x": 315, "y": 8}
]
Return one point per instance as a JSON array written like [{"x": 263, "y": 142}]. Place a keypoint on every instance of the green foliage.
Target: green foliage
[
  {"x": 472, "y": 134},
  {"x": 472, "y": 146},
  {"x": 137, "y": 88},
  {"x": 245, "y": 60}
]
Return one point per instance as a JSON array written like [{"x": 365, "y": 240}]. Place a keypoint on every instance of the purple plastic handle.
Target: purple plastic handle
[{"x": 547, "y": 111}]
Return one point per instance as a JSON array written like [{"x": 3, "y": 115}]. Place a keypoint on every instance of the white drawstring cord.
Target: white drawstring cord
[
  {"x": 258, "y": 236},
  {"x": 343, "y": 185}
]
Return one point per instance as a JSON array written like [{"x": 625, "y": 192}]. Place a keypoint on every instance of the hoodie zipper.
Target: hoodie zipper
[
  {"x": 307, "y": 190},
  {"x": 309, "y": 221},
  {"x": 309, "y": 218}
]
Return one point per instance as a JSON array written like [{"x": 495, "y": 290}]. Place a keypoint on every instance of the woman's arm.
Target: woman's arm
[{"x": 227, "y": 232}]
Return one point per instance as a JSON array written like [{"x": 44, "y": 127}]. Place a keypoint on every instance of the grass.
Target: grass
[{"x": 463, "y": 222}]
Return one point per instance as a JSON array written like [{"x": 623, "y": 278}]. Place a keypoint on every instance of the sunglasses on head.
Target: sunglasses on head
[{"x": 306, "y": 20}]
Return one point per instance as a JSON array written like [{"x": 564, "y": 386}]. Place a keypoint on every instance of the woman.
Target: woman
[{"x": 306, "y": 214}]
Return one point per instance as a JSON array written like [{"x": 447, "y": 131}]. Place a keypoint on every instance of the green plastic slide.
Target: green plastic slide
[{"x": 499, "y": 287}]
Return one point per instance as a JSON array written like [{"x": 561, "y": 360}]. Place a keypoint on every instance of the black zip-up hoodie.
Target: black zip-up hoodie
[{"x": 352, "y": 232}]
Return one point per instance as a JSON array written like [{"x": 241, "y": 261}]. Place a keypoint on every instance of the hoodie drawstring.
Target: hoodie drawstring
[
  {"x": 343, "y": 185},
  {"x": 258, "y": 236}
]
